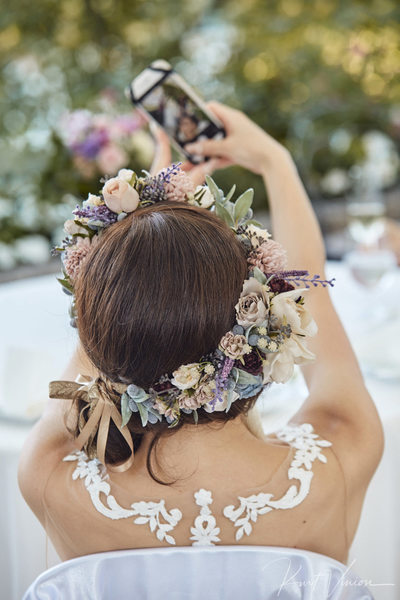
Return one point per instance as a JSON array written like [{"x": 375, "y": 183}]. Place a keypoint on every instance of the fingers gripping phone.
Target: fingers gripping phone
[{"x": 167, "y": 99}]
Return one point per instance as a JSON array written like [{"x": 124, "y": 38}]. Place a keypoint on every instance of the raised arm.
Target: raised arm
[{"x": 338, "y": 399}]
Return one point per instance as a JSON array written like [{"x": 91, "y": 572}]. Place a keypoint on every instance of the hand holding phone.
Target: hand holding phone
[
  {"x": 168, "y": 100},
  {"x": 246, "y": 144}
]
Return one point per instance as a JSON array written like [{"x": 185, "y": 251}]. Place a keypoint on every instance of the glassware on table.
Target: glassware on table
[
  {"x": 366, "y": 207},
  {"x": 368, "y": 263},
  {"x": 375, "y": 312},
  {"x": 366, "y": 221},
  {"x": 371, "y": 267},
  {"x": 375, "y": 309}
]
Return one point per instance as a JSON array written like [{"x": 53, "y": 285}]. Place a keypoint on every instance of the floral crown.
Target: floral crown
[{"x": 272, "y": 324}]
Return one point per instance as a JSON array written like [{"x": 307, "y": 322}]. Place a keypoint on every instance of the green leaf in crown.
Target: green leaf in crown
[{"x": 236, "y": 213}]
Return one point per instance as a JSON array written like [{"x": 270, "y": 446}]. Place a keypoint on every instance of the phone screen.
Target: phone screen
[{"x": 178, "y": 114}]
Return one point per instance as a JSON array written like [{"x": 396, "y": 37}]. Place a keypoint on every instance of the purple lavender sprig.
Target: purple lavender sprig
[
  {"x": 227, "y": 368},
  {"x": 153, "y": 189},
  {"x": 96, "y": 213},
  {"x": 221, "y": 381},
  {"x": 219, "y": 390},
  {"x": 167, "y": 173},
  {"x": 302, "y": 278}
]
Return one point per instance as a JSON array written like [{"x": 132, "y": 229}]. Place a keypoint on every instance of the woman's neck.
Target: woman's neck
[{"x": 197, "y": 448}]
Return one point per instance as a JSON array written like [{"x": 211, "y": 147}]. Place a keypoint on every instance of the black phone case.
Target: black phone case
[{"x": 210, "y": 132}]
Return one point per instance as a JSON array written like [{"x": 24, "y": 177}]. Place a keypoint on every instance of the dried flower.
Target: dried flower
[
  {"x": 256, "y": 235},
  {"x": 190, "y": 402},
  {"x": 232, "y": 345},
  {"x": 279, "y": 367},
  {"x": 74, "y": 256},
  {"x": 161, "y": 387},
  {"x": 219, "y": 404},
  {"x": 72, "y": 228},
  {"x": 92, "y": 200},
  {"x": 102, "y": 216},
  {"x": 289, "y": 312},
  {"x": 170, "y": 409},
  {"x": 268, "y": 257},
  {"x": 153, "y": 191},
  {"x": 187, "y": 376},
  {"x": 179, "y": 187},
  {"x": 204, "y": 393},
  {"x": 226, "y": 369},
  {"x": 125, "y": 174},
  {"x": 278, "y": 285},
  {"x": 252, "y": 308},
  {"x": 206, "y": 198},
  {"x": 252, "y": 363}
]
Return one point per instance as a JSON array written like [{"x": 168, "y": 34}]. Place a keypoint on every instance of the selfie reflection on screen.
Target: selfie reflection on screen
[{"x": 178, "y": 114}]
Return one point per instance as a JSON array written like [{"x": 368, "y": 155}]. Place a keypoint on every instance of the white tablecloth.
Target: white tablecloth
[{"x": 36, "y": 342}]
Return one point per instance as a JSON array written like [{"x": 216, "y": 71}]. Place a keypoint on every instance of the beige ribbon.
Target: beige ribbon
[{"x": 104, "y": 409}]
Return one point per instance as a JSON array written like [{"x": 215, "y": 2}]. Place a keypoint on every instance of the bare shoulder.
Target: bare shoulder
[{"x": 42, "y": 451}]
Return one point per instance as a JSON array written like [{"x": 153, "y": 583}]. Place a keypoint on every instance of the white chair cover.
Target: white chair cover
[{"x": 194, "y": 573}]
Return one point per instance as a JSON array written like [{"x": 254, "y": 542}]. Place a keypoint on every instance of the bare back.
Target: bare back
[{"x": 282, "y": 494}]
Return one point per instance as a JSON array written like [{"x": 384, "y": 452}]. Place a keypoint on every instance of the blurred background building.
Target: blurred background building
[{"x": 320, "y": 76}]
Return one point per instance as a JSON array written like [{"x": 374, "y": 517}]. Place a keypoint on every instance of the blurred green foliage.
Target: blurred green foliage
[{"x": 316, "y": 74}]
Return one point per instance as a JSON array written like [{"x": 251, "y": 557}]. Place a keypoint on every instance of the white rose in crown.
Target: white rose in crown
[
  {"x": 257, "y": 235},
  {"x": 120, "y": 196},
  {"x": 284, "y": 307},
  {"x": 187, "y": 376},
  {"x": 72, "y": 228},
  {"x": 125, "y": 174},
  {"x": 279, "y": 367},
  {"x": 207, "y": 199}
]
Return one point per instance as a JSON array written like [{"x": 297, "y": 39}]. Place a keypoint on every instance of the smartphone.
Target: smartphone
[{"x": 167, "y": 99}]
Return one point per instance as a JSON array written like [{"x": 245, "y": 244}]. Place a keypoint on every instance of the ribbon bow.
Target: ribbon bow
[{"x": 91, "y": 391}]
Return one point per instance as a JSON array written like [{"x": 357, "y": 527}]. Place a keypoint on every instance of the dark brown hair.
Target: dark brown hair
[{"x": 158, "y": 291}]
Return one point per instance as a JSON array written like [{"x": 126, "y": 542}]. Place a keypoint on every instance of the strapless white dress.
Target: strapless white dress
[{"x": 193, "y": 573}]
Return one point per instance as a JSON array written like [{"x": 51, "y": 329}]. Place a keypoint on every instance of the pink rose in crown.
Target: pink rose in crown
[{"x": 120, "y": 196}]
